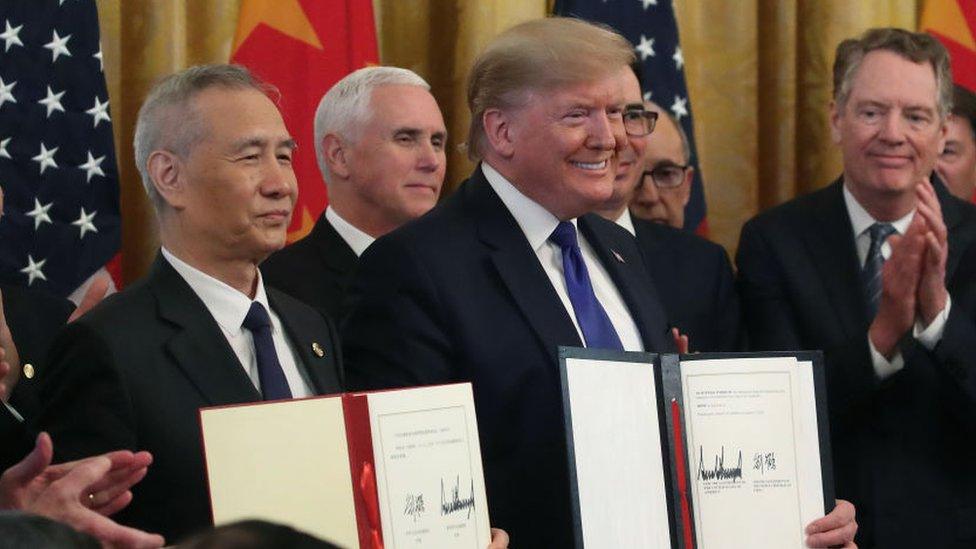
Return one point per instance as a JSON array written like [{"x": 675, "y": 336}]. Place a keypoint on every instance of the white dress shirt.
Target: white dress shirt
[
  {"x": 537, "y": 225},
  {"x": 355, "y": 238},
  {"x": 930, "y": 335},
  {"x": 229, "y": 307},
  {"x": 627, "y": 222}
]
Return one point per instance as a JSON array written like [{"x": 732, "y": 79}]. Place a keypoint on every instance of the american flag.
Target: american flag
[
  {"x": 61, "y": 219},
  {"x": 651, "y": 26}
]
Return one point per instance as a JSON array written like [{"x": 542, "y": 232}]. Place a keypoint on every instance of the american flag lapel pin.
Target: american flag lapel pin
[{"x": 617, "y": 255}]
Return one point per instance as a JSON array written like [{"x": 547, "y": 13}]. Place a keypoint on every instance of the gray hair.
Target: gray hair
[
  {"x": 344, "y": 108},
  {"x": 916, "y": 47},
  {"x": 167, "y": 120}
]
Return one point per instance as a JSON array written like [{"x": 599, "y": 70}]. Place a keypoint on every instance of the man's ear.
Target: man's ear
[
  {"x": 499, "y": 132},
  {"x": 335, "y": 152},
  {"x": 835, "y": 116},
  {"x": 166, "y": 172},
  {"x": 686, "y": 186}
]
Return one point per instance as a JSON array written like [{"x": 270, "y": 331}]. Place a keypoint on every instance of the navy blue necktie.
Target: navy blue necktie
[
  {"x": 274, "y": 386},
  {"x": 593, "y": 320},
  {"x": 871, "y": 273}
]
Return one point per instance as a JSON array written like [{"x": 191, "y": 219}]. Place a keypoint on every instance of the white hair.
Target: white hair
[{"x": 344, "y": 108}]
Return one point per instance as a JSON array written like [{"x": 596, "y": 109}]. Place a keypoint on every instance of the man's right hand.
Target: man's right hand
[
  {"x": 9, "y": 359},
  {"x": 899, "y": 288}
]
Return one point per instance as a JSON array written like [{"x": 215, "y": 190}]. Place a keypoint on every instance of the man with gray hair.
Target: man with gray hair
[
  {"x": 379, "y": 140},
  {"x": 871, "y": 270},
  {"x": 201, "y": 329}
]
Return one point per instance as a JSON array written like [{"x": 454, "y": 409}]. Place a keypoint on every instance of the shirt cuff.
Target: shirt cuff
[
  {"x": 883, "y": 368},
  {"x": 931, "y": 335}
]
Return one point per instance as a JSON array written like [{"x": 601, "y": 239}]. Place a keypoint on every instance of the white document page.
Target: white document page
[
  {"x": 428, "y": 468},
  {"x": 286, "y": 462},
  {"x": 753, "y": 451},
  {"x": 617, "y": 446}
]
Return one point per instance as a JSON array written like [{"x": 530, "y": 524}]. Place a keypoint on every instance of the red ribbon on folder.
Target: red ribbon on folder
[{"x": 681, "y": 463}]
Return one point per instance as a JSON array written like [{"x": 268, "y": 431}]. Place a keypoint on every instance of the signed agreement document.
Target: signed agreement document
[
  {"x": 756, "y": 446},
  {"x": 394, "y": 469}
]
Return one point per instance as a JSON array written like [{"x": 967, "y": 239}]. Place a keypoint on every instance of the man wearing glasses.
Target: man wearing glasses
[
  {"x": 693, "y": 276},
  {"x": 662, "y": 194}
]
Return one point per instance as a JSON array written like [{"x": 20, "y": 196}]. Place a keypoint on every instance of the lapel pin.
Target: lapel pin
[
  {"x": 617, "y": 255},
  {"x": 29, "y": 370},
  {"x": 317, "y": 349}
]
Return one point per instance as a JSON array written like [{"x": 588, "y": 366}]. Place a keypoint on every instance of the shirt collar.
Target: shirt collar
[
  {"x": 626, "y": 222},
  {"x": 355, "y": 238},
  {"x": 227, "y": 305},
  {"x": 536, "y": 222},
  {"x": 861, "y": 220}
]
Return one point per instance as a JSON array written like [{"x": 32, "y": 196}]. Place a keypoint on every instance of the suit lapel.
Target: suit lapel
[
  {"x": 952, "y": 218},
  {"x": 626, "y": 268},
  {"x": 334, "y": 252},
  {"x": 300, "y": 324},
  {"x": 829, "y": 236},
  {"x": 518, "y": 266},
  {"x": 198, "y": 346}
]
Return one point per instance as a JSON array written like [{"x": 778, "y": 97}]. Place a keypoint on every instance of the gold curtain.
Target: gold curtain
[{"x": 758, "y": 75}]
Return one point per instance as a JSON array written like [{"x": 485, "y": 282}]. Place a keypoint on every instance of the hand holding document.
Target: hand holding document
[{"x": 398, "y": 468}]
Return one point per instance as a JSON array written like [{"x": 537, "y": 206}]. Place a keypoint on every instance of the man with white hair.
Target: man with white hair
[{"x": 379, "y": 139}]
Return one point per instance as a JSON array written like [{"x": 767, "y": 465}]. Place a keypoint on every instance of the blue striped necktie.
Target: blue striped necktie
[{"x": 871, "y": 273}]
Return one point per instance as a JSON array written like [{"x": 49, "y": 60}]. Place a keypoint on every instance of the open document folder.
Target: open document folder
[
  {"x": 710, "y": 451},
  {"x": 398, "y": 468}
]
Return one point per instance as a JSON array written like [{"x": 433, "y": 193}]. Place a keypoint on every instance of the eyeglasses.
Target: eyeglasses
[
  {"x": 666, "y": 176},
  {"x": 639, "y": 122}
]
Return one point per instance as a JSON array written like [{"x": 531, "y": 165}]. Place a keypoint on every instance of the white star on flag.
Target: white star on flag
[
  {"x": 10, "y": 36},
  {"x": 679, "y": 58},
  {"x": 39, "y": 213},
  {"x": 679, "y": 107},
  {"x": 99, "y": 112},
  {"x": 645, "y": 48},
  {"x": 58, "y": 46},
  {"x": 98, "y": 55},
  {"x": 52, "y": 101},
  {"x": 33, "y": 270},
  {"x": 84, "y": 223},
  {"x": 647, "y": 95},
  {"x": 3, "y": 147},
  {"x": 648, "y": 3},
  {"x": 92, "y": 167},
  {"x": 46, "y": 158},
  {"x": 6, "y": 92}
]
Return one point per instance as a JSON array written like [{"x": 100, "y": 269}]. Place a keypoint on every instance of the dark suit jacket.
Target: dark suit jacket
[
  {"x": 694, "y": 279},
  {"x": 904, "y": 448},
  {"x": 133, "y": 372},
  {"x": 458, "y": 295},
  {"x": 316, "y": 269},
  {"x": 34, "y": 318}
]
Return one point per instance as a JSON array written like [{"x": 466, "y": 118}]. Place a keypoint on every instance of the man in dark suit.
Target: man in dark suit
[
  {"x": 379, "y": 139},
  {"x": 200, "y": 329},
  {"x": 821, "y": 272},
  {"x": 693, "y": 276}
]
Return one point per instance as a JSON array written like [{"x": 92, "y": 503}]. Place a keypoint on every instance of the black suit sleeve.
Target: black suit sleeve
[
  {"x": 86, "y": 406},
  {"x": 392, "y": 335},
  {"x": 772, "y": 324}
]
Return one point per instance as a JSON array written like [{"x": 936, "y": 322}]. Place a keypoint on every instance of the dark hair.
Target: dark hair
[
  {"x": 916, "y": 47},
  {"x": 19, "y": 530},
  {"x": 256, "y": 534},
  {"x": 964, "y": 106}
]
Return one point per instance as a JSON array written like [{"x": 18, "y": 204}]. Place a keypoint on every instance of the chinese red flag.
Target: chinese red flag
[
  {"x": 303, "y": 47},
  {"x": 953, "y": 23}
]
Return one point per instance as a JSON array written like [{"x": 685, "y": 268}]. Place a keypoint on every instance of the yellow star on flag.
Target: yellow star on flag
[{"x": 285, "y": 16}]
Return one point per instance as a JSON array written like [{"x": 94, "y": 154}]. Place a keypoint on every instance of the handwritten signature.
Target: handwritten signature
[
  {"x": 763, "y": 462},
  {"x": 414, "y": 506},
  {"x": 456, "y": 503},
  {"x": 719, "y": 471}
]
